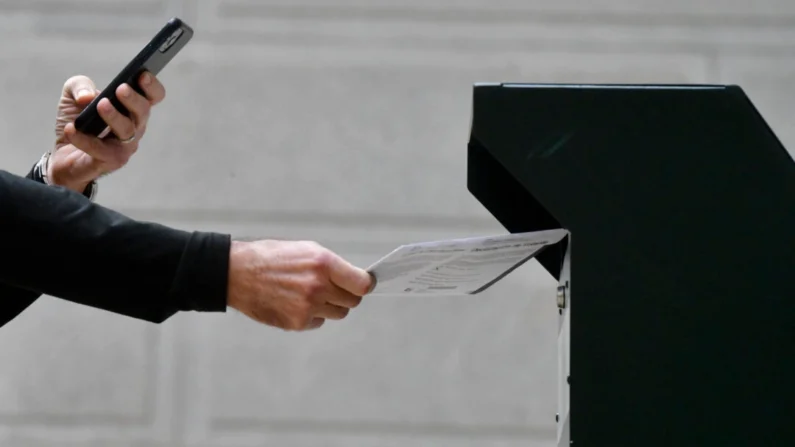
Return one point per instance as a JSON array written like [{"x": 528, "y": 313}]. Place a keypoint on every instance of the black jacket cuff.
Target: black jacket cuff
[{"x": 203, "y": 274}]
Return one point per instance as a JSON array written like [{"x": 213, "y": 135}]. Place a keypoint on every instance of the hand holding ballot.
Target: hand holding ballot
[
  {"x": 298, "y": 285},
  {"x": 293, "y": 285}
]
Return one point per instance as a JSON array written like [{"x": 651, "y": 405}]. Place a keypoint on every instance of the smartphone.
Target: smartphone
[{"x": 152, "y": 58}]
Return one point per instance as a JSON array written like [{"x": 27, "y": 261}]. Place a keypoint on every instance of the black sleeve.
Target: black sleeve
[
  {"x": 57, "y": 242},
  {"x": 13, "y": 300}
]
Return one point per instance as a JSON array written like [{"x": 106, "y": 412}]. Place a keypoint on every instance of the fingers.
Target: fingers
[
  {"x": 329, "y": 302},
  {"x": 343, "y": 298},
  {"x": 337, "y": 301},
  {"x": 152, "y": 87},
  {"x": 81, "y": 89},
  {"x": 315, "y": 323},
  {"x": 90, "y": 145},
  {"x": 113, "y": 155},
  {"x": 122, "y": 126},
  {"x": 331, "y": 312},
  {"x": 138, "y": 106},
  {"x": 350, "y": 278},
  {"x": 105, "y": 155}
]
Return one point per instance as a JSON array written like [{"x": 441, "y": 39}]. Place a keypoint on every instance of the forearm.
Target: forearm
[
  {"x": 57, "y": 242},
  {"x": 13, "y": 299}
]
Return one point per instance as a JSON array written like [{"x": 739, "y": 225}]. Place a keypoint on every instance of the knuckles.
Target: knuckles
[
  {"x": 313, "y": 287},
  {"x": 318, "y": 259},
  {"x": 296, "y": 324},
  {"x": 144, "y": 109},
  {"x": 356, "y": 301},
  {"x": 299, "y": 319},
  {"x": 77, "y": 82},
  {"x": 123, "y": 157},
  {"x": 318, "y": 256}
]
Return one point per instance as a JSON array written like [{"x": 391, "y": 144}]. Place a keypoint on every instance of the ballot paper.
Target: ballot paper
[{"x": 457, "y": 266}]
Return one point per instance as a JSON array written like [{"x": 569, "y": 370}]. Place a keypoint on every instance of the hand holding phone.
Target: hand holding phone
[{"x": 152, "y": 58}]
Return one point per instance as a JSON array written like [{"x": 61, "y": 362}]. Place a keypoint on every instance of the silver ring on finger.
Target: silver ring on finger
[{"x": 128, "y": 140}]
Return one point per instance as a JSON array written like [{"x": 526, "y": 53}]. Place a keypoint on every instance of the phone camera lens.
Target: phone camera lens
[{"x": 171, "y": 40}]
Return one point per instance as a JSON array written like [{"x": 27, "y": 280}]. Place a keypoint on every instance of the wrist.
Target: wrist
[
  {"x": 56, "y": 177},
  {"x": 238, "y": 252},
  {"x": 44, "y": 172}
]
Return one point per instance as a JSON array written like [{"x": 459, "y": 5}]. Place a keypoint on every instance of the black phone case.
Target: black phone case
[{"x": 152, "y": 58}]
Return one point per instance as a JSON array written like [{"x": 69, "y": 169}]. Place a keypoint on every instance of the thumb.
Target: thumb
[
  {"x": 81, "y": 89},
  {"x": 353, "y": 279}
]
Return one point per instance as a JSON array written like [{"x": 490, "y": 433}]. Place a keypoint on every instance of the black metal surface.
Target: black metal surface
[{"x": 681, "y": 206}]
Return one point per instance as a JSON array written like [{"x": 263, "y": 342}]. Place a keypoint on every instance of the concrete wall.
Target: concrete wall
[{"x": 345, "y": 122}]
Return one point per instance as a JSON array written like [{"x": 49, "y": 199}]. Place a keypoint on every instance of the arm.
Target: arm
[
  {"x": 70, "y": 167},
  {"x": 16, "y": 300},
  {"x": 55, "y": 241}
]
